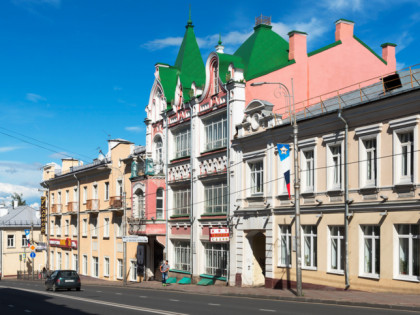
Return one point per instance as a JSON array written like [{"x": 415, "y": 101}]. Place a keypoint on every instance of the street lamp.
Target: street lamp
[{"x": 296, "y": 182}]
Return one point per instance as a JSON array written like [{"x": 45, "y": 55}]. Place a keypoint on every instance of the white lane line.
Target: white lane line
[
  {"x": 118, "y": 293},
  {"x": 214, "y": 304},
  {"x": 27, "y": 311},
  {"x": 173, "y": 300},
  {"x": 99, "y": 291},
  {"x": 143, "y": 296},
  {"x": 265, "y": 310},
  {"x": 10, "y": 305},
  {"x": 77, "y": 298}
]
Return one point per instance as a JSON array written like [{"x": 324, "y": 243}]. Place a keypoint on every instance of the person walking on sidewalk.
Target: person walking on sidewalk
[{"x": 164, "y": 269}]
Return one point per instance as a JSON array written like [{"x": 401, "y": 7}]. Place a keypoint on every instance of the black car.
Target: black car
[{"x": 63, "y": 279}]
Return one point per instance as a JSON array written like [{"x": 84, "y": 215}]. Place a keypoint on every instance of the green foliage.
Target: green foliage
[{"x": 19, "y": 199}]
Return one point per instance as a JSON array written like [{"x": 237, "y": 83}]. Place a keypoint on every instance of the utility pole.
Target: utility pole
[
  {"x": 124, "y": 243},
  {"x": 32, "y": 242}
]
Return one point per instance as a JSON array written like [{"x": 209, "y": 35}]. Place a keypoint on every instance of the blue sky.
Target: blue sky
[{"x": 75, "y": 73}]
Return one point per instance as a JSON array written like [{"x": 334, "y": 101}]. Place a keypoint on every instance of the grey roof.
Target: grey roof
[{"x": 20, "y": 216}]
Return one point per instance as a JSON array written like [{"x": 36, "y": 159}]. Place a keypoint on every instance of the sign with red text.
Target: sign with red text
[
  {"x": 64, "y": 243},
  {"x": 219, "y": 235}
]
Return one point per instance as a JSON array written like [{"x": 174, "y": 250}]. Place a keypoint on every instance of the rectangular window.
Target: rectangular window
[
  {"x": 52, "y": 260},
  {"x": 106, "y": 266},
  {"x": 216, "y": 198},
  {"x": 59, "y": 198},
  {"x": 159, "y": 203},
  {"x": 52, "y": 228},
  {"x": 182, "y": 255},
  {"x": 133, "y": 270},
  {"x": 285, "y": 243},
  {"x": 336, "y": 249},
  {"x": 216, "y": 259},
  {"x": 58, "y": 223},
  {"x": 257, "y": 177},
  {"x": 308, "y": 171},
  {"x": 182, "y": 200},
  {"x": 84, "y": 195},
  {"x": 407, "y": 156},
  {"x": 58, "y": 260},
  {"x": 74, "y": 226},
  {"x": 75, "y": 262},
  {"x": 24, "y": 241},
  {"x": 94, "y": 222},
  {"x": 336, "y": 166},
  {"x": 85, "y": 265},
  {"x": 182, "y": 143},
  {"x": 84, "y": 226},
  {"x": 66, "y": 227},
  {"x": 408, "y": 251},
  {"x": 10, "y": 241},
  {"x": 119, "y": 191},
  {"x": 106, "y": 190},
  {"x": 120, "y": 269},
  {"x": 370, "y": 172},
  {"x": 216, "y": 133},
  {"x": 106, "y": 227},
  {"x": 371, "y": 250},
  {"x": 309, "y": 246},
  {"x": 75, "y": 196},
  {"x": 67, "y": 261},
  {"x": 118, "y": 223},
  {"x": 95, "y": 192},
  {"x": 95, "y": 267},
  {"x": 67, "y": 197}
]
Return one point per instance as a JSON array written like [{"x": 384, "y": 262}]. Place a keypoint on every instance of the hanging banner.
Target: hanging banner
[
  {"x": 284, "y": 154},
  {"x": 219, "y": 235},
  {"x": 43, "y": 214}
]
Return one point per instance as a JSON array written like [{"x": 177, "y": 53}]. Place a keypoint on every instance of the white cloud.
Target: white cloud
[
  {"x": 134, "y": 129},
  {"x": 35, "y": 205},
  {"x": 7, "y": 189},
  {"x": 35, "y": 97},
  {"x": 8, "y": 149},
  {"x": 59, "y": 155},
  {"x": 161, "y": 43},
  {"x": 314, "y": 27},
  {"x": 404, "y": 40},
  {"x": 343, "y": 5},
  {"x": 400, "y": 65}
]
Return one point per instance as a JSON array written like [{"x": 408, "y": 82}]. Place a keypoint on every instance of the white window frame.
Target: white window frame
[
  {"x": 75, "y": 195},
  {"x": 59, "y": 260},
  {"x": 158, "y": 144},
  {"x": 95, "y": 267},
  {"x": 52, "y": 260},
  {"x": 216, "y": 132},
  {"x": 59, "y": 197},
  {"x": 119, "y": 187},
  {"x": 159, "y": 210},
  {"x": 375, "y": 240},
  {"x": 312, "y": 236},
  {"x": 58, "y": 224},
  {"x": 106, "y": 228},
  {"x": 84, "y": 195},
  {"x": 182, "y": 201},
  {"x": 24, "y": 241},
  {"x": 340, "y": 249},
  {"x": 95, "y": 192},
  {"x": 305, "y": 146},
  {"x": 67, "y": 196},
  {"x": 256, "y": 173},
  {"x": 118, "y": 226},
  {"x": 94, "y": 222},
  {"x": 398, "y": 127},
  {"x": 75, "y": 262},
  {"x": 106, "y": 191},
  {"x": 332, "y": 141},
  {"x": 66, "y": 261},
  {"x": 106, "y": 266},
  {"x": 182, "y": 143},
  {"x": 52, "y": 227},
  {"x": 215, "y": 196},
  {"x": 120, "y": 269},
  {"x": 133, "y": 270},
  {"x": 84, "y": 227},
  {"x": 11, "y": 241},
  {"x": 74, "y": 227},
  {"x": 85, "y": 265},
  {"x": 411, "y": 237},
  {"x": 285, "y": 245},
  {"x": 66, "y": 227},
  {"x": 216, "y": 259},
  {"x": 182, "y": 251}
]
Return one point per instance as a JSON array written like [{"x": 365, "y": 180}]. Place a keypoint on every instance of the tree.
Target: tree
[{"x": 18, "y": 198}]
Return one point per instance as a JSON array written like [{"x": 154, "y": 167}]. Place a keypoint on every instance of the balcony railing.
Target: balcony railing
[
  {"x": 115, "y": 202},
  {"x": 92, "y": 204},
  {"x": 72, "y": 206},
  {"x": 56, "y": 208}
]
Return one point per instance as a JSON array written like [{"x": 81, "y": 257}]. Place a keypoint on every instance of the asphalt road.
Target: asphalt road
[{"x": 23, "y": 297}]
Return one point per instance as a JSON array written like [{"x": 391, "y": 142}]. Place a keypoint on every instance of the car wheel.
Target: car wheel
[
  {"x": 69, "y": 289},
  {"x": 77, "y": 289},
  {"x": 54, "y": 288}
]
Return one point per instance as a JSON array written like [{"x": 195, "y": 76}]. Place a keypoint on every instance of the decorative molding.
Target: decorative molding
[
  {"x": 368, "y": 130},
  {"x": 404, "y": 122}
]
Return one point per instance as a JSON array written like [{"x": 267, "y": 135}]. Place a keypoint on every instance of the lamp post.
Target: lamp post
[{"x": 296, "y": 181}]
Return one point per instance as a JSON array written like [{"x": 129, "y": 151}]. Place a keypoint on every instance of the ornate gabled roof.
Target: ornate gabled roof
[{"x": 263, "y": 52}]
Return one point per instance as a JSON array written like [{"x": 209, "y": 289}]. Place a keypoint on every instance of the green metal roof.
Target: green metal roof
[
  {"x": 225, "y": 60},
  {"x": 263, "y": 52},
  {"x": 168, "y": 78}
]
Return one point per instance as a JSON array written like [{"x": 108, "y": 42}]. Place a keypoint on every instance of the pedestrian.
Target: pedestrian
[
  {"x": 164, "y": 269},
  {"x": 44, "y": 273}
]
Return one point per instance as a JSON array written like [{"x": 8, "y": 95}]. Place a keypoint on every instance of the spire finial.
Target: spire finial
[
  {"x": 189, "y": 17},
  {"x": 220, "y": 39}
]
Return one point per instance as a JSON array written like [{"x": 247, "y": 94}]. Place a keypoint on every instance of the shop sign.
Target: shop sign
[
  {"x": 65, "y": 243},
  {"x": 43, "y": 214},
  {"x": 219, "y": 235}
]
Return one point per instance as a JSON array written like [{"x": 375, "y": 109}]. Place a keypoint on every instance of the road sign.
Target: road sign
[
  {"x": 20, "y": 257},
  {"x": 33, "y": 255},
  {"x": 27, "y": 231},
  {"x": 135, "y": 239},
  {"x": 32, "y": 247},
  {"x": 24, "y": 255}
]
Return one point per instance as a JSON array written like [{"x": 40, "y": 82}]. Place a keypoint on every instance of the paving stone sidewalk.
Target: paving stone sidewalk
[{"x": 395, "y": 301}]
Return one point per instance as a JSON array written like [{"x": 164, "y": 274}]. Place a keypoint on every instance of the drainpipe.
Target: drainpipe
[
  {"x": 346, "y": 203},
  {"x": 166, "y": 188},
  {"x": 78, "y": 223},
  {"x": 228, "y": 182}
]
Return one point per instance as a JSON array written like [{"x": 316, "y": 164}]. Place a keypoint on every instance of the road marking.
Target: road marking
[
  {"x": 173, "y": 300},
  {"x": 143, "y": 296},
  {"x": 99, "y": 291},
  {"x": 27, "y": 311},
  {"x": 118, "y": 293},
  {"x": 265, "y": 310},
  {"x": 78, "y": 298},
  {"x": 213, "y": 304},
  {"x": 10, "y": 305}
]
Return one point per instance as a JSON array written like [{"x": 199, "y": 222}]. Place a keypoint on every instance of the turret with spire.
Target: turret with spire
[{"x": 219, "y": 47}]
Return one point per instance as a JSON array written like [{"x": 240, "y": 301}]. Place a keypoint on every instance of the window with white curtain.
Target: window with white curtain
[
  {"x": 309, "y": 246},
  {"x": 182, "y": 143},
  {"x": 216, "y": 259},
  {"x": 285, "y": 244},
  {"x": 182, "y": 255},
  {"x": 216, "y": 133},
  {"x": 408, "y": 251},
  {"x": 336, "y": 249},
  {"x": 257, "y": 177},
  {"x": 182, "y": 201}
]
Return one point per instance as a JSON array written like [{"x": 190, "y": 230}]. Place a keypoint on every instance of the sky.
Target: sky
[{"x": 75, "y": 73}]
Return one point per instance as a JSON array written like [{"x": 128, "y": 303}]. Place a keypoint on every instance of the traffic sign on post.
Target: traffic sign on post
[{"x": 33, "y": 255}]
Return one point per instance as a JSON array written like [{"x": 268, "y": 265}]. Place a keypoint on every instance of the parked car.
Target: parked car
[{"x": 63, "y": 279}]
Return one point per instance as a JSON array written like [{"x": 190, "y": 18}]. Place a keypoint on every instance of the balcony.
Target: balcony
[
  {"x": 56, "y": 208},
  {"x": 92, "y": 204},
  {"x": 72, "y": 206},
  {"x": 115, "y": 202}
]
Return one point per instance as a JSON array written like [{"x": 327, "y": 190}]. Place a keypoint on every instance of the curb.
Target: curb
[{"x": 281, "y": 298}]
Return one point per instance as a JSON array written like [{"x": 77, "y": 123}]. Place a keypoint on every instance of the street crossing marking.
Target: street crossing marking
[
  {"x": 78, "y": 298},
  {"x": 265, "y": 310},
  {"x": 118, "y": 293},
  {"x": 213, "y": 304},
  {"x": 173, "y": 300}
]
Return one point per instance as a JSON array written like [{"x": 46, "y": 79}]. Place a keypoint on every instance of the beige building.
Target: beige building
[
  {"x": 14, "y": 250},
  {"x": 383, "y": 192},
  {"x": 86, "y": 214}
]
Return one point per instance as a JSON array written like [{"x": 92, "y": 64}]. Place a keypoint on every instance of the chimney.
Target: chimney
[
  {"x": 343, "y": 29},
  {"x": 297, "y": 46},
  {"x": 67, "y": 163},
  {"x": 388, "y": 54},
  {"x": 15, "y": 204}
]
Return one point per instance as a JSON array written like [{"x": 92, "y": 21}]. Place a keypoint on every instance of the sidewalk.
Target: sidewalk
[{"x": 410, "y": 302}]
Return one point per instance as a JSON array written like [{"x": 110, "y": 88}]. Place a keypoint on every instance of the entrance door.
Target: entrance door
[
  {"x": 157, "y": 258},
  {"x": 254, "y": 260}
]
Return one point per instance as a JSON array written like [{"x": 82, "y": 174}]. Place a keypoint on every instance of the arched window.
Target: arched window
[
  {"x": 159, "y": 203},
  {"x": 158, "y": 151},
  {"x": 139, "y": 204}
]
